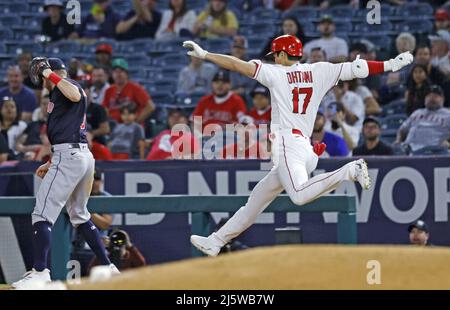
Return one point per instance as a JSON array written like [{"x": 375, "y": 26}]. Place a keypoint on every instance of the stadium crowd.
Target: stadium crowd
[{"x": 139, "y": 82}]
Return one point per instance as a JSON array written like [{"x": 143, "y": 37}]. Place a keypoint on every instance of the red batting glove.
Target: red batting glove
[{"x": 319, "y": 148}]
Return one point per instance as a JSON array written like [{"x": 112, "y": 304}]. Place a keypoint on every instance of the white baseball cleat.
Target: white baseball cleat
[
  {"x": 206, "y": 244},
  {"x": 32, "y": 280},
  {"x": 362, "y": 173},
  {"x": 114, "y": 270}
]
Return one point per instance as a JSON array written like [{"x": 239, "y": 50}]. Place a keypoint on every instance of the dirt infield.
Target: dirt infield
[{"x": 296, "y": 267}]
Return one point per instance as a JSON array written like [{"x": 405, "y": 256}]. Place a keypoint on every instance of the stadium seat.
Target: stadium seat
[
  {"x": 15, "y": 8},
  {"x": 381, "y": 28},
  {"x": 136, "y": 45},
  {"x": 32, "y": 20},
  {"x": 419, "y": 10},
  {"x": 162, "y": 97},
  {"x": 343, "y": 26},
  {"x": 9, "y": 20},
  {"x": 389, "y": 136},
  {"x": 393, "y": 121},
  {"x": 263, "y": 14},
  {"x": 64, "y": 46},
  {"x": 218, "y": 45},
  {"x": 306, "y": 13},
  {"x": 395, "y": 107},
  {"x": 171, "y": 61},
  {"x": 169, "y": 46},
  {"x": 137, "y": 60},
  {"x": 341, "y": 12},
  {"x": 432, "y": 150},
  {"x": 412, "y": 25}
]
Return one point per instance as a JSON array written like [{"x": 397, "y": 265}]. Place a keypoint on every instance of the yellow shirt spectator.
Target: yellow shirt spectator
[{"x": 225, "y": 24}]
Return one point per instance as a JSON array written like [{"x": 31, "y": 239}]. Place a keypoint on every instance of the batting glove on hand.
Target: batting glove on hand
[
  {"x": 400, "y": 61},
  {"x": 195, "y": 49},
  {"x": 360, "y": 68}
]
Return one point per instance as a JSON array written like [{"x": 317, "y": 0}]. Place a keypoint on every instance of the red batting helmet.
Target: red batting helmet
[{"x": 287, "y": 43}]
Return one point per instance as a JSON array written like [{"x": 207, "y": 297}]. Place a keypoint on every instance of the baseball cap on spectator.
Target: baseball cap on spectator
[
  {"x": 104, "y": 48},
  {"x": 326, "y": 19},
  {"x": 221, "y": 75},
  {"x": 441, "y": 35},
  {"x": 419, "y": 224},
  {"x": 120, "y": 63},
  {"x": 442, "y": 14},
  {"x": 48, "y": 3},
  {"x": 436, "y": 89},
  {"x": 260, "y": 90},
  {"x": 371, "y": 119},
  {"x": 240, "y": 42}
]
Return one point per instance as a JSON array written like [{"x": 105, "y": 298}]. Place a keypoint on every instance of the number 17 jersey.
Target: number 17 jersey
[{"x": 296, "y": 92}]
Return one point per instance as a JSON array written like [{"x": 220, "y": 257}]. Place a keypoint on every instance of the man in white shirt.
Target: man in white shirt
[
  {"x": 354, "y": 105},
  {"x": 336, "y": 123},
  {"x": 336, "y": 49},
  {"x": 99, "y": 84}
]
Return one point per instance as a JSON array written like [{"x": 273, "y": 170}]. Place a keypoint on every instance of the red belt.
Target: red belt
[{"x": 297, "y": 132}]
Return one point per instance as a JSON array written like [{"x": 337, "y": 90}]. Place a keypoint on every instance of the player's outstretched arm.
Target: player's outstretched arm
[
  {"x": 361, "y": 68},
  {"x": 69, "y": 90},
  {"x": 223, "y": 61}
]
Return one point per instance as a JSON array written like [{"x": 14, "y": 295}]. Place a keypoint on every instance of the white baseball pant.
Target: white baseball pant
[{"x": 294, "y": 159}]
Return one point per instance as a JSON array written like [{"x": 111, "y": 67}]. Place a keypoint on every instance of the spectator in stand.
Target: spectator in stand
[
  {"x": 196, "y": 77},
  {"x": 123, "y": 92},
  {"x": 336, "y": 123},
  {"x": 177, "y": 21},
  {"x": 100, "y": 23},
  {"x": 4, "y": 150},
  {"x": 440, "y": 51},
  {"x": 99, "y": 151},
  {"x": 140, "y": 22},
  {"x": 11, "y": 127},
  {"x": 103, "y": 57},
  {"x": 216, "y": 21},
  {"x": 222, "y": 106},
  {"x": 165, "y": 143},
  {"x": 404, "y": 42},
  {"x": 442, "y": 20},
  {"x": 290, "y": 26},
  {"x": 372, "y": 144},
  {"x": 429, "y": 126},
  {"x": 423, "y": 57},
  {"x": 99, "y": 85},
  {"x": 353, "y": 104},
  {"x": 336, "y": 146},
  {"x": 23, "y": 96},
  {"x": 23, "y": 61},
  {"x": 261, "y": 111},
  {"x": 317, "y": 55},
  {"x": 240, "y": 84},
  {"x": 33, "y": 143},
  {"x": 97, "y": 118},
  {"x": 127, "y": 140},
  {"x": 418, "y": 87},
  {"x": 55, "y": 25},
  {"x": 335, "y": 48},
  {"x": 371, "y": 106}
]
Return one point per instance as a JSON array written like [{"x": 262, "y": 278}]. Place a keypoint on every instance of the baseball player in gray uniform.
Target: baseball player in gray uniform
[{"x": 67, "y": 178}]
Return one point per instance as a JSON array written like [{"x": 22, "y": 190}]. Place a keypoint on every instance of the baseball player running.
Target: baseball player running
[
  {"x": 67, "y": 178},
  {"x": 296, "y": 90}
]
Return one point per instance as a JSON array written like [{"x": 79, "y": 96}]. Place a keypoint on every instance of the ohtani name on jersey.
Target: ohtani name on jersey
[{"x": 299, "y": 77}]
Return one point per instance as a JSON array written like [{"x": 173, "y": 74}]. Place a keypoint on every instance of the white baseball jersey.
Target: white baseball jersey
[{"x": 296, "y": 91}]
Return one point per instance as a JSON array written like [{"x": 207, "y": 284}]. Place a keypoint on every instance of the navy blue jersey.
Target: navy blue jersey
[{"x": 66, "y": 119}]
